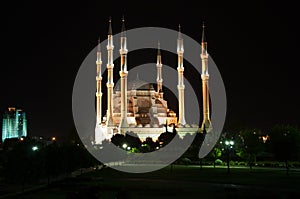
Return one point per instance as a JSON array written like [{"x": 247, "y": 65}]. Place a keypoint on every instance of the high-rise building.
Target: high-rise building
[{"x": 14, "y": 124}]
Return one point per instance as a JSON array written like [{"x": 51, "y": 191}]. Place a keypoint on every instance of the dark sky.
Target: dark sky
[{"x": 254, "y": 46}]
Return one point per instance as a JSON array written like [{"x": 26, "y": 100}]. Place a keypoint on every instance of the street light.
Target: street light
[
  {"x": 34, "y": 148},
  {"x": 229, "y": 145}
]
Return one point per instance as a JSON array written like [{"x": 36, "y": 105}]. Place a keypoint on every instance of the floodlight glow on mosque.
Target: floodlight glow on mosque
[{"x": 139, "y": 107}]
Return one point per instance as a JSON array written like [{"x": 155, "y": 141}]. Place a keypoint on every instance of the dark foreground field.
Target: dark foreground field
[{"x": 175, "y": 182}]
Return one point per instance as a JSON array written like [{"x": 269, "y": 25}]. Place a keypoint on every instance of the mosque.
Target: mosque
[{"x": 139, "y": 107}]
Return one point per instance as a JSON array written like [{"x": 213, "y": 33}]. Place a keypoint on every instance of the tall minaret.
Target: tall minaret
[
  {"x": 110, "y": 81},
  {"x": 159, "y": 79},
  {"x": 180, "y": 86},
  {"x": 99, "y": 82},
  {"x": 205, "y": 77},
  {"x": 123, "y": 75}
]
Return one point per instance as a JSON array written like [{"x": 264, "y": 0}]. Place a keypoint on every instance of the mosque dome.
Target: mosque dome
[{"x": 136, "y": 84}]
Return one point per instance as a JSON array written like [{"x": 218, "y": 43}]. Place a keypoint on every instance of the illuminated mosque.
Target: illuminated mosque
[{"x": 139, "y": 107}]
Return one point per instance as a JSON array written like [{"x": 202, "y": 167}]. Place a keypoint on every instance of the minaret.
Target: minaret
[
  {"x": 159, "y": 79},
  {"x": 205, "y": 77},
  {"x": 99, "y": 82},
  {"x": 180, "y": 86},
  {"x": 110, "y": 81},
  {"x": 123, "y": 75}
]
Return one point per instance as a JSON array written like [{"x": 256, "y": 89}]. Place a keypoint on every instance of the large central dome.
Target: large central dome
[{"x": 136, "y": 84}]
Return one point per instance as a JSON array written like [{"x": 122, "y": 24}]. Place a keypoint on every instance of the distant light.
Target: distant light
[
  {"x": 157, "y": 147},
  {"x": 231, "y": 142},
  {"x": 124, "y": 146},
  {"x": 34, "y": 148},
  {"x": 221, "y": 142},
  {"x": 53, "y": 138},
  {"x": 227, "y": 142},
  {"x": 128, "y": 148},
  {"x": 21, "y": 139},
  {"x": 265, "y": 138}
]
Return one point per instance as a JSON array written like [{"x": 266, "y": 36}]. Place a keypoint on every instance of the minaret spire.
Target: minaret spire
[
  {"x": 180, "y": 48},
  {"x": 180, "y": 86},
  {"x": 123, "y": 29},
  {"x": 158, "y": 49},
  {"x": 109, "y": 27},
  {"x": 123, "y": 75},
  {"x": 203, "y": 33},
  {"x": 203, "y": 41},
  {"x": 99, "y": 60},
  {"x": 179, "y": 32},
  {"x": 206, "y": 124},
  {"x": 159, "y": 79},
  {"x": 110, "y": 81}
]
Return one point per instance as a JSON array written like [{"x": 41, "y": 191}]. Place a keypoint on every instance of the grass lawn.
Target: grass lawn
[{"x": 178, "y": 182}]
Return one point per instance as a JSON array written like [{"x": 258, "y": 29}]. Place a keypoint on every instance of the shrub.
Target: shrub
[{"x": 218, "y": 162}]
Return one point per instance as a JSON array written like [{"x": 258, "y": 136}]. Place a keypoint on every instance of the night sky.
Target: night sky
[{"x": 254, "y": 46}]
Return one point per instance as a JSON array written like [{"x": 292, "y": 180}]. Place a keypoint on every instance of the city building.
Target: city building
[
  {"x": 137, "y": 106},
  {"x": 14, "y": 124}
]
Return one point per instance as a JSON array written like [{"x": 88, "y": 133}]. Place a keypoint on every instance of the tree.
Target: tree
[
  {"x": 284, "y": 143},
  {"x": 51, "y": 160},
  {"x": 216, "y": 153},
  {"x": 118, "y": 140},
  {"x": 193, "y": 150},
  {"x": 23, "y": 164},
  {"x": 167, "y": 137},
  {"x": 149, "y": 145},
  {"x": 250, "y": 146},
  {"x": 132, "y": 140}
]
